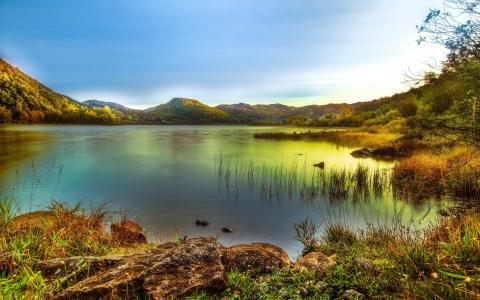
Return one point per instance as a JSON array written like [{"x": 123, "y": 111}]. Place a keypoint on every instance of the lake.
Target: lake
[{"x": 166, "y": 177}]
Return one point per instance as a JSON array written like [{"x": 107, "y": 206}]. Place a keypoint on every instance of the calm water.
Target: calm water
[{"x": 165, "y": 177}]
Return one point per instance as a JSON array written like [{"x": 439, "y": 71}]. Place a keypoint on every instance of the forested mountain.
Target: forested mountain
[
  {"x": 185, "y": 111},
  {"x": 25, "y": 100}
]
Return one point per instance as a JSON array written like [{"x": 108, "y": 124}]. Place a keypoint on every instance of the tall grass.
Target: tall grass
[{"x": 297, "y": 179}]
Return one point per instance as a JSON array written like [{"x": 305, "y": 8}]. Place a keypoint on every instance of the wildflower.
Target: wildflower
[
  {"x": 62, "y": 262},
  {"x": 434, "y": 275},
  {"x": 468, "y": 279}
]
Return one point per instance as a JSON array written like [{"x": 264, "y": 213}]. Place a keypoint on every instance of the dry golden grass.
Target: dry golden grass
[
  {"x": 453, "y": 172},
  {"x": 344, "y": 138}
]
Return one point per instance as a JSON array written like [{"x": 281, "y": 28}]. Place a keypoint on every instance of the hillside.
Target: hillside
[
  {"x": 279, "y": 113},
  {"x": 185, "y": 111},
  {"x": 25, "y": 100}
]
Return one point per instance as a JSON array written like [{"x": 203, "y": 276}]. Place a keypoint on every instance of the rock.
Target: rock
[
  {"x": 362, "y": 153},
  {"x": 321, "y": 285},
  {"x": 364, "y": 263},
  {"x": 314, "y": 262},
  {"x": 127, "y": 233},
  {"x": 37, "y": 220},
  {"x": 226, "y": 230},
  {"x": 171, "y": 270},
  {"x": 256, "y": 258},
  {"x": 201, "y": 223},
  {"x": 6, "y": 262},
  {"x": 81, "y": 266},
  {"x": 352, "y": 295},
  {"x": 320, "y": 165}
]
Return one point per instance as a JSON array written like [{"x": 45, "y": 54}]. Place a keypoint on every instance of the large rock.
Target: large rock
[
  {"x": 256, "y": 258},
  {"x": 127, "y": 233},
  {"x": 38, "y": 220},
  {"x": 169, "y": 270},
  {"x": 314, "y": 262}
]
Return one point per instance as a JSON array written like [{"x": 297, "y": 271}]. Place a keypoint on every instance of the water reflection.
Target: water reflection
[{"x": 167, "y": 176}]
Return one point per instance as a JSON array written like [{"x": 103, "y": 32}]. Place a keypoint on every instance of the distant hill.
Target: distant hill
[
  {"x": 279, "y": 113},
  {"x": 99, "y": 103},
  {"x": 185, "y": 111},
  {"x": 25, "y": 100}
]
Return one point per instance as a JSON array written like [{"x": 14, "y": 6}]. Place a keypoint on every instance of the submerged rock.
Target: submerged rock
[
  {"x": 226, "y": 230},
  {"x": 170, "y": 270},
  {"x": 202, "y": 223},
  {"x": 314, "y": 262},
  {"x": 362, "y": 153},
  {"x": 256, "y": 258},
  {"x": 128, "y": 233},
  {"x": 320, "y": 165}
]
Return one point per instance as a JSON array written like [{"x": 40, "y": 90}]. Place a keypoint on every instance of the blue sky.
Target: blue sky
[{"x": 144, "y": 52}]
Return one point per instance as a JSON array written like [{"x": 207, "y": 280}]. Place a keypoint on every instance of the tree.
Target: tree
[{"x": 457, "y": 28}]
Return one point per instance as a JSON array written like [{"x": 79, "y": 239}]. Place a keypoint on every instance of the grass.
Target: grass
[
  {"x": 452, "y": 172},
  {"x": 440, "y": 262},
  {"x": 306, "y": 182},
  {"x": 60, "y": 231},
  {"x": 343, "y": 138}
]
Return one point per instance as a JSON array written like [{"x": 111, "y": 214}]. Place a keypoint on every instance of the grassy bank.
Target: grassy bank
[
  {"x": 59, "y": 231},
  {"x": 385, "y": 263}
]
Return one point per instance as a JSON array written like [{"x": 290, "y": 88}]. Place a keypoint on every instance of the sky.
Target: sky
[{"x": 144, "y": 52}]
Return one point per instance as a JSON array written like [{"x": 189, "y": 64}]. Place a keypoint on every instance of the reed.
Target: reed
[{"x": 305, "y": 182}]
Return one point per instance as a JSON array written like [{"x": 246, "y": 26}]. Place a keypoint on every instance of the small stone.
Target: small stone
[
  {"x": 364, "y": 263},
  {"x": 362, "y": 153},
  {"x": 202, "y": 223},
  {"x": 226, "y": 230},
  {"x": 321, "y": 285},
  {"x": 352, "y": 294},
  {"x": 320, "y": 165}
]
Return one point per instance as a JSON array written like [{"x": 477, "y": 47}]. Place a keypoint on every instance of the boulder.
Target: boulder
[
  {"x": 38, "y": 220},
  {"x": 169, "y": 270},
  {"x": 127, "y": 233},
  {"x": 362, "y": 153},
  {"x": 256, "y": 258},
  {"x": 314, "y": 262}
]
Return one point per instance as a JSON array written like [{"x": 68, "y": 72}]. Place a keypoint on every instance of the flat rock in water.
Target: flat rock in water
[
  {"x": 362, "y": 153},
  {"x": 255, "y": 258}
]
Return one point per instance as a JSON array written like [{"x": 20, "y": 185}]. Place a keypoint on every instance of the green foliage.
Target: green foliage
[{"x": 24, "y": 100}]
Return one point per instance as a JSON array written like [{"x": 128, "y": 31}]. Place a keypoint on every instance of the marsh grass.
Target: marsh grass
[
  {"x": 454, "y": 173},
  {"x": 343, "y": 138},
  {"x": 299, "y": 180}
]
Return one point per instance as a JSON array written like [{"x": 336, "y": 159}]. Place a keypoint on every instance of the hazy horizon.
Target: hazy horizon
[{"x": 220, "y": 52}]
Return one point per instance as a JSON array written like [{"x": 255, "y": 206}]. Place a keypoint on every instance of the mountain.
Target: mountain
[
  {"x": 185, "y": 111},
  {"x": 279, "y": 113},
  {"x": 25, "y": 100},
  {"x": 99, "y": 103}
]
